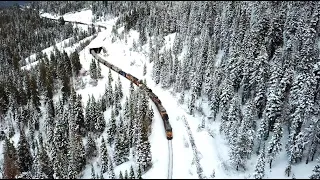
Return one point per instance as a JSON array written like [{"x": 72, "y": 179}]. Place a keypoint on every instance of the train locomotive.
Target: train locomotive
[{"x": 141, "y": 85}]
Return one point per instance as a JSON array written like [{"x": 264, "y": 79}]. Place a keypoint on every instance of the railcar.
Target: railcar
[
  {"x": 139, "y": 83},
  {"x": 122, "y": 73},
  {"x": 165, "y": 118}
]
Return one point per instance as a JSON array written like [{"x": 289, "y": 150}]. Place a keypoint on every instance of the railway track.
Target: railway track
[
  {"x": 78, "y": 22},
  {"x": 170, "y": 162}
]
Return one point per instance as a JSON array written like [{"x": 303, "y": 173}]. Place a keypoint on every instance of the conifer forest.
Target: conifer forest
[{"x": 251, "y": 68}]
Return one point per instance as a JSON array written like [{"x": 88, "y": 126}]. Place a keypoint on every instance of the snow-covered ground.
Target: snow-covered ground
[{"x": 213, "y": 150}]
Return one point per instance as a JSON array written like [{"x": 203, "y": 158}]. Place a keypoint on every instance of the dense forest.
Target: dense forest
[
  {"x": 52, "y": 133},
  {"x": 264, "y": 89},
  {"x": 266, "y": 83}
]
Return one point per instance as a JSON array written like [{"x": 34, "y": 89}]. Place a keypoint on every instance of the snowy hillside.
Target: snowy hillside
[{"x": 212, "y": 149}]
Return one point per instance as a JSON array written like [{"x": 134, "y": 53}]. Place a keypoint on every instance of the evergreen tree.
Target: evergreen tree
[
  {"x": 79, "y": 117},
  {"x": 126, "y": 174},
  {"x": 316, "y": 172},
  {"x": 111, "y": 169},
  {"x": 93, "y": 175},
  {"x": 91, "y": 148},
  {"x": 103, "y": 156},
  {"x": 25, "y": 159},
  {"x": 131, "y": 174},
  {"x": 259, "y": 171},
  {"x": 139, "y": 172},
  {"x": 275, "y": 143},
  {"x": 45, "y": 162},
  {"x": 93, "y": 70},
  {"x": 120, "y": 88},
  {"x": 10, "y": 164},
  {"x": 144, "y": 69},
  {"x": 100, "y": 123},
  {"x": 120, "y": 175},
  {"x": 111, "y": 128},
  {"x": 99, "y": 75},
  {"x": 191, "y": 104},
  {"x": 110, "y": 79}
]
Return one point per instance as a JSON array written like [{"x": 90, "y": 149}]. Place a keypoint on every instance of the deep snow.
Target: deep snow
[{"x": 213, "y": 149}]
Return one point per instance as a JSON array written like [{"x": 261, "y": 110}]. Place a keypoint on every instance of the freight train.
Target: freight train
[{"x": 140, "y": 84}]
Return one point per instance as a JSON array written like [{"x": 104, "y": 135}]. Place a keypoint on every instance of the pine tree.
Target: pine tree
[
  {"x": 120, "y": 175},
  {"x": 126, "y": 174},
  {"x": 316, "y": 172},
  {"x": 25, "y": 159},
  {"x": 100, "y": 123},
  {"x": 120, "y": 88},
  {"x": 131, "y": 175},
  {"x": 275, "y": 143},
  {"x": 91, "y": 148},
  {"x": 139, "y": 172},
  {"x": 118, "y": 150},
  {"x": 99, "y": 75},
  {"x": 103, "y": 156},
  {"x": 36, "y": 171},
  {"x": 79, "y": 117},
  {"x": 111, "y": 93},
  {"x": 10, "y": 164},
  {"x": 260, "y": 169},
  {"x": 93, "y": 70},
  {"x": 144, "y": 69},
  {"x": 110, "y": 79},
  {"x": 93, "y": 175},
  {"x": 111, "y": 128},
  {"x": 45, "y": 162},
  {"x": 191, "y": 104},
  {"x": 111, "y": 169}
]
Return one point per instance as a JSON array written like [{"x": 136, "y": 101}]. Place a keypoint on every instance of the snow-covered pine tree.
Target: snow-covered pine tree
[
  {"x": 79, "y": 117},
  {"x": 111, "y": 169},
  {"x": 104, "y": 156},
  {"x": 93, "y": 174},
  {"x": 88, "y": 115},
  {"x": 110, "y": 79},
  {"x": 60, "y": 142},
  {"x": 310, "y": 136},
  {"x": 110, "y": 98},
  {"x": 117, "y": 156},
  {"x": 91, "y": 148},
  {"x": 131, "y": 174},
  {"x": 126, "y": 174},
  {"x": 111, "y": 128},
  {"x": 99, "y": 75},
  {"x": 234, "y": 120},
  {"x": 226, "y": 93},
  {"x": 191, "y": 105},
  {"x": 259, "y": 171},
  {"x": 144, "y": 72},
  {"x": 147, "y": 158},
  {"x": 45, "y": 162},
  {"x": 117, "y": 104},
  {"x": 275, "y": 142},
  {"x": 233, "y": 133},
  {"x": 93, "y": 69},
  {"x": 25, "y": 159},
  {"x": 316, "y": 172},
  {"x": 120, "y": 88},
  {"x": 120, "y": 175},
  {"x": 100, "y": 123},
  {"x": 139, "y": 172}
]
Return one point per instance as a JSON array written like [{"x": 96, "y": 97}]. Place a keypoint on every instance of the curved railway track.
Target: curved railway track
[{"x": 151, "y": 95}]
